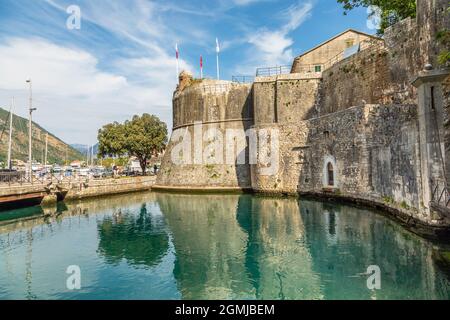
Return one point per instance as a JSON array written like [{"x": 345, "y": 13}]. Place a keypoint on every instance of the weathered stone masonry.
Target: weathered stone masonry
[{"x": 372, "y": 127}]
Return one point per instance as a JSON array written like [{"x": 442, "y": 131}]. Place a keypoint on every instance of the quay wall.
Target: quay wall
[
  {"x": 49, "y": 193},
  {"x": 95, "y": 188}
]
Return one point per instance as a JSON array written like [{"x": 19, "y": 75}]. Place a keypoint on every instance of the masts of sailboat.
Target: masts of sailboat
[
  {"x": 46, "y": 149},
  {"x": 10, "y": 133}
]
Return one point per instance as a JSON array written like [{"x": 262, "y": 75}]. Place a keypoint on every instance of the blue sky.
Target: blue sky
[{"x": 122, "y": 60}]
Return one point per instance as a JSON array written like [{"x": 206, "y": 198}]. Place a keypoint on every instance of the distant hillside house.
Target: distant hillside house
[
  {"x": 331, "y": 51},
  {"x": 76, "y": 164}
]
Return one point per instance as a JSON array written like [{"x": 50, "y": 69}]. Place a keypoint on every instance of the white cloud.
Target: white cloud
[
  {"x": 68, "y": 72},
  {"x": 273, "y": 47},
  {"x": 244, "y": 2},
  {"x": 74, "y": 97}
]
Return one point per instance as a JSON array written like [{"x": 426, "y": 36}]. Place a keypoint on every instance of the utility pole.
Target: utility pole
[
  {"x": 10, "y": 133},
  {"x": 92, "y": 155},
  {"x": 31, "y": 109}
]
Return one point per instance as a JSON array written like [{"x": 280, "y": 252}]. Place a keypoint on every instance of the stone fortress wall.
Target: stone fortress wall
[
  {"x": 360, "y": 121},
  {"x": 216, "y": 105}
]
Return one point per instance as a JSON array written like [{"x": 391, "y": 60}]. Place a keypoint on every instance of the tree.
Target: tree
[
  {"x": 443, "y": 38},
  {"x": 139, "y": 238},
  {"x": 142, "y": 137},
  {"x": 392, "y": 11},
  {"x": 111, "y": 140}
]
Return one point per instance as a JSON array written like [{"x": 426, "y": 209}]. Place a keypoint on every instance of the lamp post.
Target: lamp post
[{"x": 31, "y": 109}]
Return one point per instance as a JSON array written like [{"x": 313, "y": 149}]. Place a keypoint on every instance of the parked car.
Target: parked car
[
  {"x": 83, "y": 172},
  {"x": 98, "y": 173}
]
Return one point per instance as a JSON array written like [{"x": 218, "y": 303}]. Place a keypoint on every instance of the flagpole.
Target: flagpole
[
  {"x": 178, "y": 64},
  {"x": 218, "y": 71},
  {"x": 217, "y": 58}
]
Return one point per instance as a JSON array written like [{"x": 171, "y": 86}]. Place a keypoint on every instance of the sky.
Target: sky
[{"x": 121, "y": 61}]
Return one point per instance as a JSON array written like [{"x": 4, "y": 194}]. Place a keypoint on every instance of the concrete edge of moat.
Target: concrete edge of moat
[{"x": 47, "y": 194}]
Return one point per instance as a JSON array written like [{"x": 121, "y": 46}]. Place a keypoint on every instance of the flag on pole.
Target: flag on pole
[
  {"x": 201, "y": 67},
  {"x": 176, "y": 51},
  {"x": 217, "y": 58}
]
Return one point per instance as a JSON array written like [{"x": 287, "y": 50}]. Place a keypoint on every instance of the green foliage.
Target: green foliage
[
  {"x": 404, "y": 205},
  {"x": 392, "y": 11},
  {"x": 109, "y": 162},
  {"x": 443, "y": 37},
  {"x": 111, "y": 140},
  {"x": 140, "y": 137},
  {"x": 388, "y": 200}
]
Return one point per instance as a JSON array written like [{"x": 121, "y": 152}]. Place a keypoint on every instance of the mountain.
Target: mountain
[
  {"x": 82, "y": 148},
  {"x": 58, "y": 151}
]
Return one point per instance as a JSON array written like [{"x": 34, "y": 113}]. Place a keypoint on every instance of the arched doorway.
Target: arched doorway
[{"x": 330, "y": 174}]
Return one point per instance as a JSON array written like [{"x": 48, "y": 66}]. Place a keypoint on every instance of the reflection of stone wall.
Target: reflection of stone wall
[
  {"x": 238, "y": 247},
  {"x": 404, "y": 259},
  {"x": 209, "y": 243},
  {"x": 283, "y": 262}
]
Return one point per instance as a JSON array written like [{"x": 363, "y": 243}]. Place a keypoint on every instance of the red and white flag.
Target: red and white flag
[
  {"x": 217, "y": 58},
  {"x": 201, "y": 67}
]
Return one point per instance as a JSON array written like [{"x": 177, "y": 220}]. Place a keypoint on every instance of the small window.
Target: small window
[
  {"x": 318, "y": 68},
  {"x": 349, "y": 43},
  {"x": 326, "y": 134},
  {"x": 432, "y": 99}
]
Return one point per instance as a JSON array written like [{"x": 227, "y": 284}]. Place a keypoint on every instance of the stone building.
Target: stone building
[
  {"x": 331, "y": 51},
  {"x": 369, "y": 127}
]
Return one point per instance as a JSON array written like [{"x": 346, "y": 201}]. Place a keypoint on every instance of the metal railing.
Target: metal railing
[
  {"x": 363, "y": 45},
  {"x": 210, "y": 88},
  {"x": 215, "y": 88},
  {"x": 309, "y": 68},
  {"x": 243, "y": 79},
  {"x": 13, "y": 178},
  {"x": 439, "y": 193},
  {"x": 273, "y": 71},
  {"x": 22, "y": 178}
]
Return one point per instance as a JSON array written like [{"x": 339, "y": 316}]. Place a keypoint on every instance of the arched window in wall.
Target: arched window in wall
[{"x": 330, "y": 173}]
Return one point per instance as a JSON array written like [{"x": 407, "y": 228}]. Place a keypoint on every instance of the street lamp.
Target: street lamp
[{"x": 31, "y": 109}]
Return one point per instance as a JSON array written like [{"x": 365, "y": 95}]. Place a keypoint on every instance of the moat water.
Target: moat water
[{"x": 173, "y": 246}]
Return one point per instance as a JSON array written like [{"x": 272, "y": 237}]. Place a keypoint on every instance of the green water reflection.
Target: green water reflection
[{"x": 174, "y": 246}]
